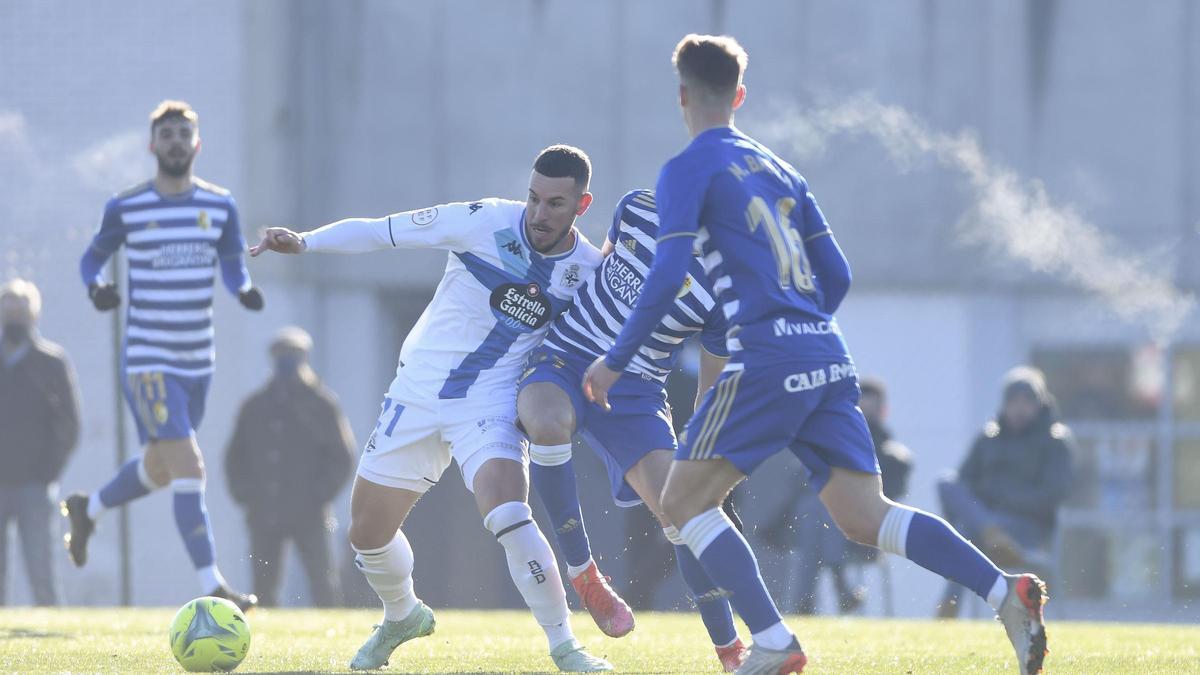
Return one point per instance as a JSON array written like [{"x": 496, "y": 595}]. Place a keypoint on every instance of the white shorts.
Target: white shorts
[{"x": 416, "y": 437}]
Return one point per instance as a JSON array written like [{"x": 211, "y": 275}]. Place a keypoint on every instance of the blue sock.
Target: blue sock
[
  {"x": 710, "y": 601},
  {"x": 731, "y": 565},
  {"x": 192, "y": 520},
  {"x": 126, "y": 486},
  {"x": 554, "y": 481},
  {"x": 933, "y": 544}
]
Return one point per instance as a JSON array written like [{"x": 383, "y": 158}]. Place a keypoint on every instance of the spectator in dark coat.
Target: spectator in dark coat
[
  {"x": 39, "y": 427},
  {"x": 289, "y": 457},
  {"x": 1006, "y": 494}
]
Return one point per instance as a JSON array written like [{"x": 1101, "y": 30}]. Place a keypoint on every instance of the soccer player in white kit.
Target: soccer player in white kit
[{"x": 512, "y": 268}]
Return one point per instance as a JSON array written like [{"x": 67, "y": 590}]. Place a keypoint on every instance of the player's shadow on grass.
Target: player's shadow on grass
[{"x": 20, "y": 633}]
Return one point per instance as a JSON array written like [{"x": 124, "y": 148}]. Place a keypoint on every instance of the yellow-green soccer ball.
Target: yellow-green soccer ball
[{"x": 210, "y": 634}]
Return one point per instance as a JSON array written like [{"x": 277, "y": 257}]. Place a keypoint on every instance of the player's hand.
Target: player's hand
[
  {"x": 104, "y": 296},
  {"x": 251, "y": 299},
  {"x": 598, "y": 379},
  {"x": 280, "y": 240}
]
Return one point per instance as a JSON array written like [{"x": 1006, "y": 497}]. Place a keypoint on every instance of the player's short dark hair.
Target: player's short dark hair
[
  {"x": 560, "y": 161},
  {"x": 171, "y": 109},
  {"x": 873, "y": 386},
  {"x": 714, "y": 62}
]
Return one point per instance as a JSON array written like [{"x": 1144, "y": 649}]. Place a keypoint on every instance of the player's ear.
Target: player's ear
[
  {"x": 739, "y": 96},
  {"x": 683, "y": 95},
  {"x": 584, "y": 202}
]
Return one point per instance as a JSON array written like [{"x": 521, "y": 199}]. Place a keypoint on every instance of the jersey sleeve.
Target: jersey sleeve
[
  {"x": 230, "y": 249},
  {"x": 445, "y": 226},
  {"x": 645, "y": 199},
  {"x": 109, "y": 237},
  {"x": 814, "y": 225},
  {"x": 232, "y": 242}
]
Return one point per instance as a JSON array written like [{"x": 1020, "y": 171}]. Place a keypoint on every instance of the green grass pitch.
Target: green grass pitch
[{"x": 135, "y": 641}]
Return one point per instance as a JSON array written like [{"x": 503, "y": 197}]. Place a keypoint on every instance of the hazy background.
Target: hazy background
[{"x": 1012, "y": 182}]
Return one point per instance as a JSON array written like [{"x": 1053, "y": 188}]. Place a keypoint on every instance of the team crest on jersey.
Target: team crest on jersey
[
  {"x": 687, "y": 286},
  {"x": 630, "y": 244},
  {"x": 203, "y": 220},
  {"x": 571, "y": 276},
  {"x": 152, "y": 225}
]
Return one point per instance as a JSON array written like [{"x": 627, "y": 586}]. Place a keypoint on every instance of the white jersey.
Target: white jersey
[{"x": 495, "y": 301}]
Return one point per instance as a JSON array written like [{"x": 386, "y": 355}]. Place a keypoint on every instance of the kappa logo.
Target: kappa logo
[
  {"x": 514, "y": 247},
  {"x": 474, "y": 206},
  {"x": 571, "y": 276}
]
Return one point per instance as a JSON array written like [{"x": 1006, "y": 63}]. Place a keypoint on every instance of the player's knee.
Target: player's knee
[
  {"x": 551, "y": 426},
  {"x": 679, "y": 507},
  {"x": 367, "y": 536},
  {"x": 859, "y": 525}
]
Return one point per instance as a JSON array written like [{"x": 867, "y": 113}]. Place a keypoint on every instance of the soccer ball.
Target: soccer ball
[{"x": 210, "y": 634}]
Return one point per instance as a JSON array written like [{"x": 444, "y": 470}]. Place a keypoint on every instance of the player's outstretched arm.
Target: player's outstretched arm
[{"x": 280, "y": 240}]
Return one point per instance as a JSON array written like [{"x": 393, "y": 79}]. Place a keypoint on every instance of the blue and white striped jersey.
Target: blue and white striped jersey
[
  {"x": 173, "y": 245},
  {"x": 591, "y": 325}
]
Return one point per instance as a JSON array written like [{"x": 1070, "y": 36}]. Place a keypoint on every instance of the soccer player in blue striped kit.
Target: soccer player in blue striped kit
[
  {"x": 635, "y": 439},
  {"x": 176, "y": 229},
  {"x": 790, "y": 382}
]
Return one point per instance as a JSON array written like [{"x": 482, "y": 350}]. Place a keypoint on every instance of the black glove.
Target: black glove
[
  {"x": 251, "y": 299},
  {"x": 104, "y": 296}
]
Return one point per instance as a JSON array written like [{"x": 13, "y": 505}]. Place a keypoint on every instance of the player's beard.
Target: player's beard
[
  {"x": 175, "y": 167},
  {"x": 550, "y": 247}
]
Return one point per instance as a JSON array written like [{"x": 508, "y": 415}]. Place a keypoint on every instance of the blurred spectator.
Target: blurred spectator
[
  {"x": 1006, "y": 495},
  {"x": 289, "y": 457},
  {"x": 818, "y": 543},
  {"x": 39, "y": 419}
]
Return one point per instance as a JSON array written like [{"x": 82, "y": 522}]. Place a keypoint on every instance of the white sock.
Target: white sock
[
  {"x": 550, "y": 455},
  {"x": 778, "y": 636},
  {"x": 210, "y": 578},
  {"x": 95, "y": 506},
  {"x": 533, "y": 568},
  {"x": 575, "y": 570},
  {"x": 700, "y": 531},
  {"x": 893, "y": 531},
  {"x": 389, "y": 571},
  {"x": 999, "y": 591},
  {"x": 672, "y": 536}
]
